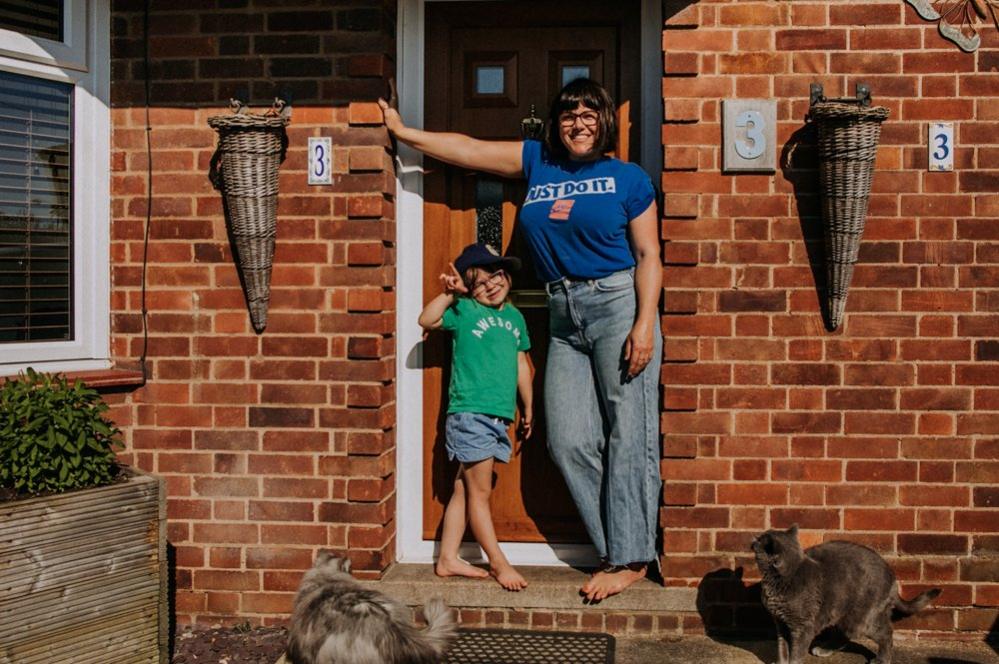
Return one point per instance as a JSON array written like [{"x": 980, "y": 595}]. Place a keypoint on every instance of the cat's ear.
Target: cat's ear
[
  {"x": 345, "y": 565},
  {"x": 793, "y": 530}
]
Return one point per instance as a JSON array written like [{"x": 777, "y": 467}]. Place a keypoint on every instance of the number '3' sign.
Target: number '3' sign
[
  {"x": 757, "y": 140},
  {"x": 320, "y": 148},
  {"x": 749, "y": 135},
  {"x": 941, "y": 146}
]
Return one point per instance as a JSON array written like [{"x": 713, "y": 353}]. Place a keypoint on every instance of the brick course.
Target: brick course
[
  {"x": 272, "y": 446},
  {"x": 870, "y": 432},
  {"x": 263, "y": 440}
]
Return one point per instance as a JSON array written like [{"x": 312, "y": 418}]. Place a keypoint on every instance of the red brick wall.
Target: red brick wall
[
  {"x": 886, "y": 431},
  {"x": 272, "y": 445}
]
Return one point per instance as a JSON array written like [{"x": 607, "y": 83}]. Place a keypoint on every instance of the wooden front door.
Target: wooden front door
[{"x": 487, "y": 64}]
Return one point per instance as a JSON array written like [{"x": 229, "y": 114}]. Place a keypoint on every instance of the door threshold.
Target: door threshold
[{"x": 555, "y": 588}]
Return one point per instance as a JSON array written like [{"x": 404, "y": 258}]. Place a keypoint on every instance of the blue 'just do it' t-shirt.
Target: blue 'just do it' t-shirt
[{"x": 575, "y": 215}]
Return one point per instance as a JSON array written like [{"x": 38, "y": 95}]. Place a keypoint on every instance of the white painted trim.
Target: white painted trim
[
  {"x": 91, "y": 166},
  {"x": 71, "y": 52},
  {"x": 410, "y": 545}
]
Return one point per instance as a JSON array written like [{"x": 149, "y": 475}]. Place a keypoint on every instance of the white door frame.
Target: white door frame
[{"x": 410, "y": 545}]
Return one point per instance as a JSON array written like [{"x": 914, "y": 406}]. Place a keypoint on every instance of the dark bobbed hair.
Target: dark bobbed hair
[{"x": 592, "y": 95}]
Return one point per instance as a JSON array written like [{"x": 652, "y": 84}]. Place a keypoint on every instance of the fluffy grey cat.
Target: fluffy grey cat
[
  {"x": 337, "y": 621},
  {"x": 835, "y": 584}
]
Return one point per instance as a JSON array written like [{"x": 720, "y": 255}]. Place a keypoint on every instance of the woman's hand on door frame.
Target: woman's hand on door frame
[{"x": 393, "y": 121}]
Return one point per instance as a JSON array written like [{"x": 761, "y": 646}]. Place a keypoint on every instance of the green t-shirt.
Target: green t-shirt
[{"x": 484, "y": 346}]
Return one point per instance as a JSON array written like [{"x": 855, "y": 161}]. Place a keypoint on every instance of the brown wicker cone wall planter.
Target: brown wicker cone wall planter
[
  {"x": 848, "y": 135},
  {"x": 245, "y": 169}
]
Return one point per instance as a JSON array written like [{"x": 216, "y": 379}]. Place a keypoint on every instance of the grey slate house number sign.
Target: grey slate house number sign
[{"x": 749, "y": 135}]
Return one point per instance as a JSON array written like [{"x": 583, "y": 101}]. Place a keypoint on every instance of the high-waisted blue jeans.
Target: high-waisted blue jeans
[{"x": 603, "y": 429}]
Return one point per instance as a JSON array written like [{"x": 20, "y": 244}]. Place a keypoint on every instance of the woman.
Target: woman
[{"x": 591, "y": 224}]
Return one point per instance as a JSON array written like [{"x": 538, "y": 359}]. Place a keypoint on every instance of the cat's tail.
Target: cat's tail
[
  {"x": 916, "y": 604},
  {"x": 441, "y": 626}
]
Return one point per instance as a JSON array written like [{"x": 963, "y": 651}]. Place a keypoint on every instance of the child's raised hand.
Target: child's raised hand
[{"x": 452, "y": 282}]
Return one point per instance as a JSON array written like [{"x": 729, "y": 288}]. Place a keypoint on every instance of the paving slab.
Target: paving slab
[{"x": 705, "y": 650}]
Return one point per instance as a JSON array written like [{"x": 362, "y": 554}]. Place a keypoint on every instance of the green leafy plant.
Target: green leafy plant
[{"x": 54, "y": 436}]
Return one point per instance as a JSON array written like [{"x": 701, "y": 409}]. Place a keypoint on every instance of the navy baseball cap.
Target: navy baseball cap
[{"x": 482, "y": 255}]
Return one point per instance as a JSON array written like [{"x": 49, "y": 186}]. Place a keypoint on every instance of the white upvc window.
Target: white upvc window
[{"x": 54, "y": 185}]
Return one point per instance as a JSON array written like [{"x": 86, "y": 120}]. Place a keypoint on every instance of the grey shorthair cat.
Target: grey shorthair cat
[
  {"x": 337, "y": 621},
  {"x": 835, "y": 584}
]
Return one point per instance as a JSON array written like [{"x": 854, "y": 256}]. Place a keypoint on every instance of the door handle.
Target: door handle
[
  {"x": 529, "y": 299},
  {"x": 532, "y": 127}
]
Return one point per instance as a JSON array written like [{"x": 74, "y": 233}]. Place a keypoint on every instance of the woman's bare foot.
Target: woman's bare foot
[
  {"x": 508, "y": 577},
  {"x": 458, "y": 567},
  {"x": 611, "y": 581}
]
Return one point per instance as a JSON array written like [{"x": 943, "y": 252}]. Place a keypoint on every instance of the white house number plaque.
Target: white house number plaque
[
  {"x": 749, "y": 135},
  {"x": 941, "y": 146},
  {"x": 320, "y": 160}
]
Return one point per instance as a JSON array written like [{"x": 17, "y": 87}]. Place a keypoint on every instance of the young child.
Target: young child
[{"x": 489, "y": 367}]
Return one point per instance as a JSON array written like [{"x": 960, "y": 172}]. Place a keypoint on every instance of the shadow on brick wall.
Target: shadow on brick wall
[
  {"x": 332, "y": 53},
  {"x": 799, "y": 164},
  {"x": 673, "y": 7},
  {"x": 733, "y": 613},
  {"x": 732, "y": 610}
]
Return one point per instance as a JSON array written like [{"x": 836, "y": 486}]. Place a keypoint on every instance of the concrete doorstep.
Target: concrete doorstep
[{"x": 551, "y": 588}]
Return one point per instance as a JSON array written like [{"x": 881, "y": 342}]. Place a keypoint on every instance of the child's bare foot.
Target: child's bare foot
[
  {"x": 458, "y": 567},
  {"x": 611, "y": 580},
  {"x": 508, "y": 577}
]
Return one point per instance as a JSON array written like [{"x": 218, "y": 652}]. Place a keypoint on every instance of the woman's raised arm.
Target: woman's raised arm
[{"x": 496, "y": 157}]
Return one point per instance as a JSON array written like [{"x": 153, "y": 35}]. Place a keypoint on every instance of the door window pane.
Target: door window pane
[
  {"x": 572, "y": 72},
  {"x": 489, "y": 211},
  {"x": 35, "y": 195},
  {"x": 35, "y": 18},
  {"x": 489, "y": 80}
]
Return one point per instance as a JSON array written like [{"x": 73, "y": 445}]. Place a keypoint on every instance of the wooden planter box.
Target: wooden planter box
[{"x": 83, "y": 576}]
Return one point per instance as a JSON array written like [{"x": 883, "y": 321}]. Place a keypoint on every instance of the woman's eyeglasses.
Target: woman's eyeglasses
[
  {"x": 588, "y": 118},
  {"x": 489, "y": 280}
]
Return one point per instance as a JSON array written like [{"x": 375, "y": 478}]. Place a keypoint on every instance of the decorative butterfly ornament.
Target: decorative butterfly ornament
[{"x": 958, "y": 19}]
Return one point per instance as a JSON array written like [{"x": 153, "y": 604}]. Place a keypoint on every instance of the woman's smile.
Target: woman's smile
[{"x": 579, "y": 130}]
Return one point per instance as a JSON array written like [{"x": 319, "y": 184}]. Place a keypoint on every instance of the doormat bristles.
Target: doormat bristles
[{"x": 516, "y": 646}]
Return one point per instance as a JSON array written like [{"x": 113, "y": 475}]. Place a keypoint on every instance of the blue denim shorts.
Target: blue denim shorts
[{"x": 471, "y": 437}]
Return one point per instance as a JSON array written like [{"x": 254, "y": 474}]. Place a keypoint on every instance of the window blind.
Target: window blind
[
  {"x": 35, "y": 215},
  {"x": 37, "y": 18}
]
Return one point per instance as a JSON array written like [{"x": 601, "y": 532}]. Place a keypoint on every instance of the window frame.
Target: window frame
[
  {"x": 70, "y": 53},
  {"x": 89, "y": 349}
]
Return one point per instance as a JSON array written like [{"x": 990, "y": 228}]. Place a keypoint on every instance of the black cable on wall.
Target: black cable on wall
[{"x": 149, "y": 189}]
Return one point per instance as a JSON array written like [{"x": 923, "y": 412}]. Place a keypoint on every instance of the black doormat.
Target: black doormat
[{"x": 521, "y": 646}]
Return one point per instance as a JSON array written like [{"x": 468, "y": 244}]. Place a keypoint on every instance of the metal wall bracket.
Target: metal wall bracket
[
  {"x": 281, "y": 106},
  {"x": 863, "y": 95}
]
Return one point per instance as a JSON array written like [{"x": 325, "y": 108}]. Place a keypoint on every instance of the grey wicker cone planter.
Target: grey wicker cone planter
[
  {"x": 245, "y": 170},
  {"x": 848, "y": 137}
]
